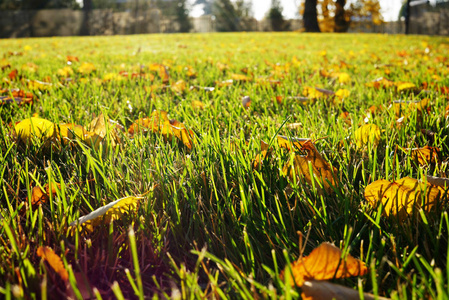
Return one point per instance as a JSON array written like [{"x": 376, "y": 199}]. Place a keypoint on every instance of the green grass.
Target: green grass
[{"x": 211, "y": 225}]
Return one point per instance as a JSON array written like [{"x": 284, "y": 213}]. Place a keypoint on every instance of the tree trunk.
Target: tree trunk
[
  {"x": 407, "y": 18},
  {"x": 310, "y": 16},
  {"x": 87, "y": 8},
  {"x": 341, "y": 24}
]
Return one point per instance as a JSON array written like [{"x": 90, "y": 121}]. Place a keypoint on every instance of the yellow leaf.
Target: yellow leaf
[
  {"x": 65, "y": 72},
  {"x": 196, "y": 104},
  {"x": 402, "y": 86},
  {"x": 100, "y": 127},
  {"x": 342, "y": 93},
  {"x": 367, "y": 134},
  {"x": 425, "y": 155},
  {"x": 106, "y": 213},
  {"x": 54, "y": 261},
  {"x": 324, "y": 263},
  {"x": 86, "y": 68},
  {"x": 344, "y": 77},
  {"x": 35, "y": 127},
  {"x": 402, "y": 197}
]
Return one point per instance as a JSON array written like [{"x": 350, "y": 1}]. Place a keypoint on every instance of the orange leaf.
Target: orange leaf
[
  {"x": 322, "y": 171},
  {"x": 38, "y": 196},
  {"x": 246, "y": 101},
  {"x": 54, "y": 261},
  {"x": 326, "y": 262},
  {"x": 425, "y": 155}
]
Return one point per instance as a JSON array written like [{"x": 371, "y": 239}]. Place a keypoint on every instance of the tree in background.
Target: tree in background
[
  {"x": 335, "y": 15},
  {"x": 182, "y": 16},
  {"x": 310, "y": 16},
  {"x": 37, "y": 4},
  {"x": 276, "y": 18},
  {"x": 232, "y": 16}
]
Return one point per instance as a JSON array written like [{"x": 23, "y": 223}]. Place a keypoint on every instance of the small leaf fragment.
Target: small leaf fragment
[{"x": 53, "y": 260}]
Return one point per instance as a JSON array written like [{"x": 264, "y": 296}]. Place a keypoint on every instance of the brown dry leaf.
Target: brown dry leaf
[
  {"x": 425, "y": 155},
  {"x": 246, "y": 101},
  {"x": 323, "y": 290},
  {"x": 179, "y": 86},
  {"x": 324, "y": 263},
  {"x": 53, "y": 260},
  {"x": 402, "y": 197},
  {"x": 162, "y": 72},
  {"x": 98, "y": 127},
  {"x": 264, "y": 151},
  {"x": 442, "y": 183},
  {"x": 322, "y": 172},
  {"x": 39, "y": 196},
  {"x": 15, "y": 95},
  {"x": 158, "y": 122}
]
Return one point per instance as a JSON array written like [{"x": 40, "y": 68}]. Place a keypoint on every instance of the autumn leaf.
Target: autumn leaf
[
  {"x": 16, "y": 96},
  {"x": 86, "y": 68},
  {"x": 101, "y": 126},
  {"x": 55, "y": 262},
  {"x": 106, "y": 213},
  {"x": 39, "y": 196},
  {"x": 158, "y": 122},
  {"x": 324, "y": 263},
  {"x": 196, "y": 104},
  {"x": 308, "y": 164},
  {"x": 367, "y": 134},
  {"x": 240, "y": 77},
  {"x": 179, "y": 86},
  {"x": 246, "y": 101},
  {"x": 402, "y": 197},
  {"x": 38, "y": 128},
  {"x": 404, "y": 107},
  {"x": 264, "y": 151},
  {"x": 380, "y": 83},
  {"x": 162, "y": 71},
  {"x": 425, "y": 155}
]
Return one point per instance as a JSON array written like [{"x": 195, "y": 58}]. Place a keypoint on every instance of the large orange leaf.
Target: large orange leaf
[
  {"x": 54, "y": 261},
  {"x": 402, "y": 197},
  {"x": 323, "y": 263}
]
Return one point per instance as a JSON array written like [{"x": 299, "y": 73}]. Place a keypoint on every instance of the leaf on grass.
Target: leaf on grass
[
  {"x": 425, "y": 155},
  {"x": 53, "y": 260},
  {"x": 264, "y": 151},
  {"x": 86, "y": 68},
  {"x": 15, "y": 95},
  {"x": 106, "y": 213},
  {"x": 33, "y": 127},
  {"x": 405, "y": 86},
  {"x": 324, "y": 263},
  {"x": 158, "y": 122},
  {"x": 240, "y": 78},
  {"x": 162, "y": 72},
  {"x": 401, "y": 107},
  {"x": 323, "y": 290},
  {"x": 308, "y": 164},
  {"x": 402, "y": 197},
  {"x": 380, "y": 83},
  {"x": 39, "y": 196},
  {"x": 179, "y": 86},
  {"x": 442, "y": 183},
  {"x": 101, "y": 128},
  {"x": 367, "y": 134},
  {"x": 246, "y": 101}
]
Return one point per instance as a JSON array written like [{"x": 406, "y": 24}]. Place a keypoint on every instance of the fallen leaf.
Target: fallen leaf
[
  {"x": 106, "y": 213},
  {"x": 402, "y": 197},
  {"x": 324, "y": 263},
  {"x": 306, "y": 158},
  {"x": 53, "y": 260},
  {"x": 246, "y": 101},
  {"x": 196, "y": 104},
  {"x": 39, "y": 196},
  {"x": 100, "y": 127},
  {"x": 41, "y": 129},
  {"x": 86, "y": 68},
  {"x": 367, "y": 134},
  {"x": 425, "y": 155}
]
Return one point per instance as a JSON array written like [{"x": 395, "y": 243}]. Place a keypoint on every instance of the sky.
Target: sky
[{"x": 389, "y": 8}]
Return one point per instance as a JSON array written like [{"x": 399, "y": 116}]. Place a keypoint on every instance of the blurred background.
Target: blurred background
[{"x": 38, "y": 18}]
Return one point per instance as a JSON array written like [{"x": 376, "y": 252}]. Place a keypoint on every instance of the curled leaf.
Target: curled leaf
[{"x": 105, "y": 214}]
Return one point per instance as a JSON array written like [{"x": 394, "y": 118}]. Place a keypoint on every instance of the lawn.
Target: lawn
[{"x": 231, "y": 157}]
